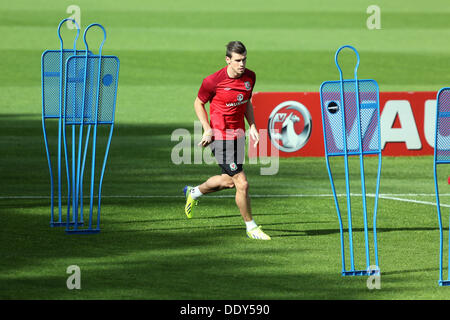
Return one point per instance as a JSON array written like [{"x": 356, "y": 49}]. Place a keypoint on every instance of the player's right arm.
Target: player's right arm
[{"x": 202, "y": 116}]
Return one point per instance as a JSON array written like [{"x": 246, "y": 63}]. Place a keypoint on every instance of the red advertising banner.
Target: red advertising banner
[{"x": 291, "y": 122}]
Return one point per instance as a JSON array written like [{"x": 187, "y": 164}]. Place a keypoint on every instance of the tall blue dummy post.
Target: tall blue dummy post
[
  {"x": 442, "y": 156},
  {"x": 351, "y": 127},
  {"x": 90, "y": 101}
]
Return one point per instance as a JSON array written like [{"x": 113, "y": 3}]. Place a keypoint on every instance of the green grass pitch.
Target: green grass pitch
[{"x": 147, "y": 249}]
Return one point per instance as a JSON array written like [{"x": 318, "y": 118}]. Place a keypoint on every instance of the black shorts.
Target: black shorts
[{"x": 229, "y": 154}]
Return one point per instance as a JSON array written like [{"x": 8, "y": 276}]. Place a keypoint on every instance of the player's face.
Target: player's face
[{"x": 237, "y": 62}]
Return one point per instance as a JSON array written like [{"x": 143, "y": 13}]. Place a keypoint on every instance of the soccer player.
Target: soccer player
[{"x": 228, "y": 91}]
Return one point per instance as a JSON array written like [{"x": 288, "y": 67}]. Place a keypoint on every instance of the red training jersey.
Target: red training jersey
[{"x": 228, "y": 99}]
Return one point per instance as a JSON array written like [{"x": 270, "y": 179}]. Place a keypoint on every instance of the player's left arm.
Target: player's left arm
[{"x": 251, "y": 122}]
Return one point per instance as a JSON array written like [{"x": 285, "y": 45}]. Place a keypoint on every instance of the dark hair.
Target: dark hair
[{"x": 236, "y": 47}]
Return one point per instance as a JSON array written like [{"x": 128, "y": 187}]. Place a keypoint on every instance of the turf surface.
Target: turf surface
[{"x": 147, "y": 248}]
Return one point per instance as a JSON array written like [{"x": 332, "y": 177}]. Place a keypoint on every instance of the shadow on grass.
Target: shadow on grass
[
  {"x": 195, "y": 262},
  {"x": 389, "y": 273}
]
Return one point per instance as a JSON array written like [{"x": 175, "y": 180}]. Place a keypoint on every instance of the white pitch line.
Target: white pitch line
[
  {"x": 181, "y": 196},
  {"x": 405, "y": 194},
  {"x": 386, "y": 196},
  {"x": 209, "y": 196},
  {"x": 414, "y": 201},
  {"x": 381, "y": 195}
]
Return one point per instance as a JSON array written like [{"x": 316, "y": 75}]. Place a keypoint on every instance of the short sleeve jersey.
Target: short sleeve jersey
[{"x": 228, "y": 99}]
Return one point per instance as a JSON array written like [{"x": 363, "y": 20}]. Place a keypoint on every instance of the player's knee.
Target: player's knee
[{"x": 242, "y": 185}]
